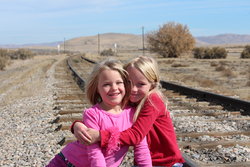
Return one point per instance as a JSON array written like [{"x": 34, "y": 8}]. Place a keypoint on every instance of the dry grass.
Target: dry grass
[
  {"x": 248, "y": 84},
  {"x": 230, "y": 76},
  {"x": 228, "y": 73},
  {"x": 179, "y": 65},
  {"x": 24, "y": 78}
]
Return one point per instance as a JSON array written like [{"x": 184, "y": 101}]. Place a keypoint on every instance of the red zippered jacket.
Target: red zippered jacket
[{"x": 154, "y": 122}]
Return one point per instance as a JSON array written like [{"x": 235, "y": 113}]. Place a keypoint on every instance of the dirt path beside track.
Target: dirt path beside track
[{"x": 26, "y": 108}]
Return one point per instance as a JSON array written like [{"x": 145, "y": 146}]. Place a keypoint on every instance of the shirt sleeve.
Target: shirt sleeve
[
  {"x": 134, "y": 135},
  {"x": 142, "y": 154},
  {"x": 94, "y": 151}
]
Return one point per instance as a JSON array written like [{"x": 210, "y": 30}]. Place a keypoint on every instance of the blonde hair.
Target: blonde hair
[
  {"x": 92, "y": 84},
  {"x": 149, "y": 68}
]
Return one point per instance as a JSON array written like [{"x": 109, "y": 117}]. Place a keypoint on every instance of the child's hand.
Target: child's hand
[
  {"x": 84, "y": 135},
  {"x": 95, "y": 136},
  {"x": 80, "y": 132}
]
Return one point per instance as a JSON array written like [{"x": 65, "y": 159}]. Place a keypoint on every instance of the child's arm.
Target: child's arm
[
  {"x": 143, "y": 124},
  {"x": 142, "y": 154},
  {"x": 84, "y": 134},
  {"x": 95, "y": 154},
  {"x": 133, "y": 135}
]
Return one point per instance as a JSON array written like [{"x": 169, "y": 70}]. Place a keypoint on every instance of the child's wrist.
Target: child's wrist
[{"x": 72, "y": 126}]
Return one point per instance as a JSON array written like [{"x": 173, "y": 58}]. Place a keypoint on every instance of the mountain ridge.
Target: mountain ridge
[{"x": 124, "y": 40}]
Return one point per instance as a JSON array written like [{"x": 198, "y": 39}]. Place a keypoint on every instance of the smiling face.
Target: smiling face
[
  {"x": 111, "y": 88},
  {"x": 140, "y": 86}
]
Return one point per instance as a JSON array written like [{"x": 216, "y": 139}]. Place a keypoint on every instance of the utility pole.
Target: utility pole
[
  {"x": 98, "y": 44},
  {"x": 64, "y": 46},
  {"x": 143, "y": 41}
]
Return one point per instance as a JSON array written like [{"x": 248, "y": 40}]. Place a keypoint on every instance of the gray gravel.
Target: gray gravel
[{"x": 27, "y": 137}]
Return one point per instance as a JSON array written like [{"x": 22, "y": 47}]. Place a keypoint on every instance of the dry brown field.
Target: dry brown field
[{"x": 230, "y": 76}]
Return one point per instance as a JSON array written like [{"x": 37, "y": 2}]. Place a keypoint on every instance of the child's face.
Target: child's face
[
  {"x": 140, "y": 86},
  {"x": 111, "y": 88}
]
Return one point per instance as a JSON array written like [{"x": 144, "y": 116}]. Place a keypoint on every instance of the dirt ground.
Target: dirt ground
[
  {"x": 230, "y": 76},
  {"x": 22, "y": 78}
]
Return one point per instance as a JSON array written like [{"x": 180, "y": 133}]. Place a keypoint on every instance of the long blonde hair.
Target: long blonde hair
[
  {"x": 92, "y": 84},
  {"x": 149, "y": 68}
]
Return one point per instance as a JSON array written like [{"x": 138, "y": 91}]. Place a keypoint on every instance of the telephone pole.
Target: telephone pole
[
  {"x": 98, "y": 44},
  {"x": 143, "y": 52},
  {"x": 64, "y": 45}
]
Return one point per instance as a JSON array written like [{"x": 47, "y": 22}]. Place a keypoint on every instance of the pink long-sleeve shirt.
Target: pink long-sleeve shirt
[
  {"x": 154, "y": 122},
  {"x": 93, "y": 155}
]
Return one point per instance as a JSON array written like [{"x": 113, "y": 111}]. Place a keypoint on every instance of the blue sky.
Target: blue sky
[{"x": 39, "y": 21}]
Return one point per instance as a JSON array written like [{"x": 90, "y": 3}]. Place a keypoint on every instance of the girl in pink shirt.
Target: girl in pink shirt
[
  {"x": 106, "y": 92},
  {"x": 152, "y": 118}
]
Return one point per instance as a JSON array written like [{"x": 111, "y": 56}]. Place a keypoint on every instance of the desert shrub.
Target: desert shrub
[
  {"x": 3, "y": 53},
  {"x": 220, "y": 68},
  {"x": 199, "y": 52},
  {"x": 207, "y": 83},
  {"x": 246, "y": 52},
  {"x": 209, "y": 53},
  {"x": 228, "y": 73},
  {"x": 22, "y": 54},
  {"x": 179, "y": 65},
  {"x": 25, "y": 54},
  {"x": 219, "y": 53},
  {"x": 224, "y": 63},
  {"x": 171, "y": 40},
  {"x": 3, "y": 63},
  {"x": 213, "y": 64},
  {"x": 107, "y": 52},
  {"x": 248, "y": 83},
  {"x": 4, "y": 59},
  {"x": 169, "y": 61}
]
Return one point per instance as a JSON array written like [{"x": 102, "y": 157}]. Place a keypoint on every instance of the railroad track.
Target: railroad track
[{"x": 209, "y": 133}]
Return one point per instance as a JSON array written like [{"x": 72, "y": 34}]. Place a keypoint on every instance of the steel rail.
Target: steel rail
[{"x": 228, "y": 103}]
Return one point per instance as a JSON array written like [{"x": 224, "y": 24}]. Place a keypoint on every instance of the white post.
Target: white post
[{"x": 58, "y": 49}]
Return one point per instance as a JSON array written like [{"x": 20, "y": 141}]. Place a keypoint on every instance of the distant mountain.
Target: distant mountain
[
  {"x": 106, "y": 41},
  {"x": 224, "y": 39},
  {"x": 49, "y": 44},
  {"x": 124, "y": 41}
]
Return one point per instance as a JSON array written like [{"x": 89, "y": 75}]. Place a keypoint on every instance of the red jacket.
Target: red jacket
[{"x": 154, "y": 122}]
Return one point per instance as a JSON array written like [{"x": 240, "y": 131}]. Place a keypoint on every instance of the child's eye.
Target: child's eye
[
  {"x": 120, "y": 82},
  {"x": 106, "y": 84},
  {"x": 140, "y": 84}
]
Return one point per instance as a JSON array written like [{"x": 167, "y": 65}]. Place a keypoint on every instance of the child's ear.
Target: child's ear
[
  {"x": 153, "y": 85},
  {"x": 99, "y": 99}
]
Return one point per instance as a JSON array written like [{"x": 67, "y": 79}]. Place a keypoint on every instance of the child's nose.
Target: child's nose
[
  {"x": 114, "y": 86},
  {"x": 134, "y": 88}
]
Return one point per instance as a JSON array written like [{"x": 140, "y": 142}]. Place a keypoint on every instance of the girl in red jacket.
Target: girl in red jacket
[{"x": 152, "y": 118}]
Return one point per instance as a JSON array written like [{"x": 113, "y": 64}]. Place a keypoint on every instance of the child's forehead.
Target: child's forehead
[{"x": 108, "y": 73}]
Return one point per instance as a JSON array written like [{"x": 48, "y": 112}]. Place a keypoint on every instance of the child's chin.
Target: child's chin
[{"x": 133, "y": 100}]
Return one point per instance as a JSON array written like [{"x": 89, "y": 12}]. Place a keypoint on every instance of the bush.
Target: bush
[
  {"x": 246, "y": 52},
  {"x": 107, "y": 52},
  {"x": 207, "y": 53},
  {"x": 21, "y": 54},
  {"x": 219, "y": 53},
  {"x": 171, "y": 40},
  {"x": 24, "y": 54},
  {"x": 4, "y": 59},
  {"x": 199, "y": 52}
]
